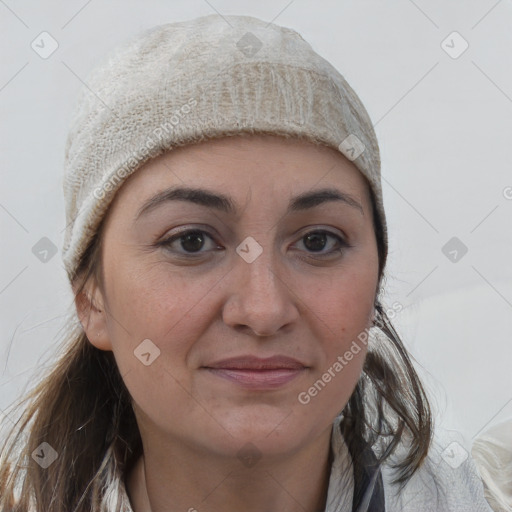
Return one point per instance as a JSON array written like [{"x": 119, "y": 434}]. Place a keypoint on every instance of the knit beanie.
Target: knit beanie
[{"x": 185, "y": 82}]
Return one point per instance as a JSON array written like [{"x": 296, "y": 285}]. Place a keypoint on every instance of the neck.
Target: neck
[{"x": 183, "y": 481}]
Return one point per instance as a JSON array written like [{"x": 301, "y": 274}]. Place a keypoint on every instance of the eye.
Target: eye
[
  {"x": 190, "y": 241},
  {"x": 316, "y": 241}
]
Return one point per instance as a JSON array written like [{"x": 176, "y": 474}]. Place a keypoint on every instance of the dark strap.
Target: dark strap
[{"x": 369, "y": 489}]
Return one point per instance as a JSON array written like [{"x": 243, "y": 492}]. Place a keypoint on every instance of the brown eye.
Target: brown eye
[
  {"x": 317, "y": 241},
  {"x": 191, "y": 241}
]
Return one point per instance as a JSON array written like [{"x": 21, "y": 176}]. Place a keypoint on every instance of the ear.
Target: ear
[{"x": 91, "y": 312}]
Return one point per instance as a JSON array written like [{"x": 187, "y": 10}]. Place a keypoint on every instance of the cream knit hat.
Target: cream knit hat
[{"x": 189, "y": 81}]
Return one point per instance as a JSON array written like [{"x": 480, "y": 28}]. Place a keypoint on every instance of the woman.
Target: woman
[{"x": 226, "y": 245}]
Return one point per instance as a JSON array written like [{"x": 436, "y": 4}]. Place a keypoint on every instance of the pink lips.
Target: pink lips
[{"x": 256, "y": 373}]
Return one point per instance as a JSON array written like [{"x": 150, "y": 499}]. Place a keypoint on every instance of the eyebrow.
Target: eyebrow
[{"x": 225, "y": 204}]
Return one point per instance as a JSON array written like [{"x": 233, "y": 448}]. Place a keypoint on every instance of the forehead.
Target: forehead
[{"x": 270, "y": 168}]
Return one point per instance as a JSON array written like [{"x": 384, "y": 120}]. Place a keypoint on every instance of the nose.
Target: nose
[{"x": 261, "y": 297}]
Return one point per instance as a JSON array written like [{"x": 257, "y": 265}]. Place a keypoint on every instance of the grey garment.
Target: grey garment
[
  {"x": 492, "y": 453},
  {"x": 447, "y": 481}
]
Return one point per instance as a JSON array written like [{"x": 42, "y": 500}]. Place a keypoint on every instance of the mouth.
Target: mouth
[{"x": 256, "y": 373}]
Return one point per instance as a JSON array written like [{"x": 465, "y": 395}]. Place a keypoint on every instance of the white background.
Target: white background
[{"x": 445, "y": 129}]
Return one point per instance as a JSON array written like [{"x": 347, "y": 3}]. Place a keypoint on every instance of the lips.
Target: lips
[
  {"x": 258, "y": 364},
  {"x": 256, "y": 373}
]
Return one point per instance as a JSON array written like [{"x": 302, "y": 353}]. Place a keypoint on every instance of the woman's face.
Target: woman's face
[{"x": 191, "y": 277}]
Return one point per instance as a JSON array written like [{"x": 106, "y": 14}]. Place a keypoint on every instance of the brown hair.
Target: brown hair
[{"x": 82, "y": 408}]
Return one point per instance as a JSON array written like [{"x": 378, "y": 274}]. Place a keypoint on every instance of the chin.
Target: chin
[{"x": 271, "y": 429}]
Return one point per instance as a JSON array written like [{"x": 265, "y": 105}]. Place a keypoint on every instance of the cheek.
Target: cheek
[
  {"x": 343, "y": 305},
  {"x": 152, "y": 302},
  {"x": 151, "y": 334},
  {"x": 339, "y": 309}
]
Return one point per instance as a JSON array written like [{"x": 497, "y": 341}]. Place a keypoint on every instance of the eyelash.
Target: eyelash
[{"x": 343, "y": 244}]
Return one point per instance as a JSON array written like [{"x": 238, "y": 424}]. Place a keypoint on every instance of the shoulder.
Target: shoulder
[
  {"x": 492, "y": 453},
  {"x": 447, "y": 481}
]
